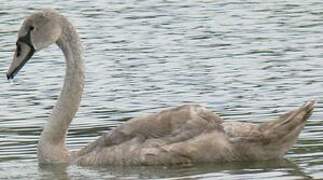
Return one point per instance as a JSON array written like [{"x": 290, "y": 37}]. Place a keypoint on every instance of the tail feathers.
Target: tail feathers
[{"x": 288, "y": 126}]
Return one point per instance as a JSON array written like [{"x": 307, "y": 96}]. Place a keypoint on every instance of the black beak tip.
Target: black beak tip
[{"x": 9, "y": 76}]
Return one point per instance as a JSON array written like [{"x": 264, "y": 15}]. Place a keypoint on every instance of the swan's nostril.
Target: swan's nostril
[{"x": 18, "y": 50}]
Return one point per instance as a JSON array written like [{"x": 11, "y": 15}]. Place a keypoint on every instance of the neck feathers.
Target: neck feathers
[{"x": 51, "y": 146}]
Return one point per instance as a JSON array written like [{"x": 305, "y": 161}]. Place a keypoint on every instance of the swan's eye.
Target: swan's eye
[{"x": 31, "y": 28}]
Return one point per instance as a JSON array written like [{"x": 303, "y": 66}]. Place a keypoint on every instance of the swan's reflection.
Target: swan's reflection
[
  {"x": 280, "y": 168},
  {"x": 54, "y": 171}
]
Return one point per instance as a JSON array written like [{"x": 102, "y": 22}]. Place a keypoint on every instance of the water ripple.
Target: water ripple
[{"x": 247, "y": 60}]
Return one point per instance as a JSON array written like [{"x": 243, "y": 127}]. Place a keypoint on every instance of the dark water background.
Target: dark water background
[{"x": 246, "y": 60}]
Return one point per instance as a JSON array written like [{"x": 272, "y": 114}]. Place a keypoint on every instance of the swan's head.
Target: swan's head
[{"x": 38, "y": 31}]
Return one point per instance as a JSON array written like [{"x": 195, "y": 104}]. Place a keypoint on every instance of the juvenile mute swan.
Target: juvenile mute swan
[{"x": 183, "y": 135}]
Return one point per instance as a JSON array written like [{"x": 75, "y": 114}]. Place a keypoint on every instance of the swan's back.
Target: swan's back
[{"x": 155, "y": 135}]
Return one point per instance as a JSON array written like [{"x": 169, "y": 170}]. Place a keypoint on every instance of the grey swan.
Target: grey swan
[{"x": 182, "y": 135}]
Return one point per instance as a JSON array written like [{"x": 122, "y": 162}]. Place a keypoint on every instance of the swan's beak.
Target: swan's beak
[{"x": 24, "y": 51}]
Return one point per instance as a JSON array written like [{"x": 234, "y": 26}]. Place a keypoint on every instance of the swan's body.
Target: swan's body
[{"x": 186, "y": 134}]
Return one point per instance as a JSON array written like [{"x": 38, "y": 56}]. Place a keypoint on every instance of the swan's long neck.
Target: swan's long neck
[{"x": 51, "y": 147}]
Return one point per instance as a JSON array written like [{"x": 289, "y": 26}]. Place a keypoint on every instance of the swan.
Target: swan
[{"x": 182, "y": 135}]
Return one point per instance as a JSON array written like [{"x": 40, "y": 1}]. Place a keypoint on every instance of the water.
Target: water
[{"x": 247, "y": 60}]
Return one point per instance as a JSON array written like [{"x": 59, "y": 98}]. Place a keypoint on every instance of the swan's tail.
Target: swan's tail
[{"x": 284, "y": 131}]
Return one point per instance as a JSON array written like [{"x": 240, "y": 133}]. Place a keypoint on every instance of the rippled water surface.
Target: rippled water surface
[{"x": 247, "y": 60}]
